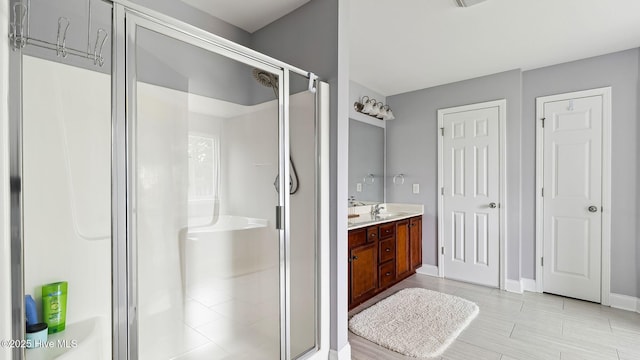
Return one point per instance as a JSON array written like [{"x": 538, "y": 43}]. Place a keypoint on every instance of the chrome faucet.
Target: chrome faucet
[{"x": 375, "y": 210}]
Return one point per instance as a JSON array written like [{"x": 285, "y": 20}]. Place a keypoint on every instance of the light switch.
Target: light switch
[
  {"x": 359, "y": 187},
  {"x": 416, "y": 188}
]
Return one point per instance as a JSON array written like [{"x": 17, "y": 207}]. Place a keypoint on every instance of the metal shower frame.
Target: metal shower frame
[{"x": 126, "y": 17}]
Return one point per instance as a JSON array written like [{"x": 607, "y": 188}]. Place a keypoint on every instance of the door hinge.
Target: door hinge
[
  {"x": 442, "y": 191},
  {"x": 542, "y": 192},
  {"x": 543, "y": 119},
  {"x": 542, "y": 261},
  {"x": 441, "y": 131},
  {"x": 442, "y": 250},
  {"x": 279, "y": 217}
]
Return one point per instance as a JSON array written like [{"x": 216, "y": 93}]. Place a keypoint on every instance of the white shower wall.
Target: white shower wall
[
  {"x": 160, "y": 203},
  {"x": 67, "y": 188},
  {"x": 248, "y": 137}
]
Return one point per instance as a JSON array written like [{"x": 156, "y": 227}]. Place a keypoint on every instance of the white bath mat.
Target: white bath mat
[{"x": 415, "y": 322}]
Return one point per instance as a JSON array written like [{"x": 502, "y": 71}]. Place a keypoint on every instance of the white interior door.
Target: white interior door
[
  {"x": 572, "y": 197},
  {"x": 471, "y": 194}
]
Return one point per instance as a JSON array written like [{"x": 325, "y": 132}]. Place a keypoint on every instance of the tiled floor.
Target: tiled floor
[
  {"x": 523, "y": 327},
  {"x": 234, "y": 318}
]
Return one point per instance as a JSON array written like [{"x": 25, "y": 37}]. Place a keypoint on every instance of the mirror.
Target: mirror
[{"x": 366, "y": 162}]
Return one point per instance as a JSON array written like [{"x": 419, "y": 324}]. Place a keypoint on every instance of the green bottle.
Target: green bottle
[{"x": 54, "y": 305}]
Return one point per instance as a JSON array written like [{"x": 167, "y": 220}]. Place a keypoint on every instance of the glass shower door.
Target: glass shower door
[{"x": 205, "y": 150}]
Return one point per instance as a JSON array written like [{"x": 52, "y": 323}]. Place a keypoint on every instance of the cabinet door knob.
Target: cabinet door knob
[
  {"x": 353, "y": 258},
  {"x": 372, "y": 235},
  {"x": 388, "y": 274},
  {"x": 387, "y": 249}
]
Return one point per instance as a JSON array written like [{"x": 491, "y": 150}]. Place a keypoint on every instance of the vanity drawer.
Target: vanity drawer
[
  {"x": 387, "y": 230},
  {"x": 386, "y": 274},
  {"x": 357, "y": 237},
  {"x": 387, "y": 250},
  {"x": 372, "y": 234}
]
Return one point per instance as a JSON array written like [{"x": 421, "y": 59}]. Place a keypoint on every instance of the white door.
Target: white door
[
  {"x": 471, "y": 194},
  {"x": 572, "y": 197}
]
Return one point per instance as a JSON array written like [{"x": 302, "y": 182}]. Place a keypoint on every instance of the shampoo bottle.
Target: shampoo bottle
[
  {"x": 30, "y": 310},
  {"x": 54, "y": 305}
]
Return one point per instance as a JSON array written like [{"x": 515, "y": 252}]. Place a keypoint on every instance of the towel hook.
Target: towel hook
[
  {"x": 398, "y": 179},
  {"x": 61, "y": 42},
  {"x": 370, "y": 179},
  {"x": 98, "y": 59},
  {"x": 17, "y": 26}
]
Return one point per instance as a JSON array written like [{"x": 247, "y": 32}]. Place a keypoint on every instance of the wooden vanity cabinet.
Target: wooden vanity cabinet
[
  {"x": 364, "y": 272},
  {"x": 403, "y": 266},
  {"x": 381, "y": 255},
  {"x": 363, "y": 265},
  {"x": 415, "y": 242}
]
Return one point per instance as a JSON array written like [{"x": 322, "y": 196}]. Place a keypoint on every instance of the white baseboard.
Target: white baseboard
[
  {"x": 528, "y": 285},
  {"x": 343, "y": 354},
  {"x": 430, "y": 270},
  {"x": 513, "y": 286},
  {"x": 625, "y": 302}
]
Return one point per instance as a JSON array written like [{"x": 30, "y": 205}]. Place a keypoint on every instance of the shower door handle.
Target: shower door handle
[{"x": 279, "y": 217}]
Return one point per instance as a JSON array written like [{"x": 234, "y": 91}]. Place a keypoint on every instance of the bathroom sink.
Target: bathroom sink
[{"x": 387, "y": 215}]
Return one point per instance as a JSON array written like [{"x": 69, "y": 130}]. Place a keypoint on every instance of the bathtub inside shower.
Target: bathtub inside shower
[{"x": 232, "y": 246}]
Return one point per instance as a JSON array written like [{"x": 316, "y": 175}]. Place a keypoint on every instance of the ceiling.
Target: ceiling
[
  {"x": 400, "y": 46},
  {"x": 250, "y": 15}
]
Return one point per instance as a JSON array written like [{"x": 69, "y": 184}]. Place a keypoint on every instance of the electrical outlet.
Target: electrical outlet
[
  {"x": 359, "y": 187},
  {"x": 416, "y": 188}
]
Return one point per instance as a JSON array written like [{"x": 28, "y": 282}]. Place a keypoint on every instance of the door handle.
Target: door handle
[
  {"x": 493, "y": 205},
  {"x": 593, "y": 208}
]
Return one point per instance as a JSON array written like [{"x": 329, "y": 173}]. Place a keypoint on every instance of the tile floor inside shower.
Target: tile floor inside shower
[{"x": 232, "y": 318}]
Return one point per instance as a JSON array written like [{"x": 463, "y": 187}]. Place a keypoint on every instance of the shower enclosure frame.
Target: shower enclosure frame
[{"x": 126, "y": 16}]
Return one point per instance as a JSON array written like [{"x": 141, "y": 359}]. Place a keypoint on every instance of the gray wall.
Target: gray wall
[
  {"x": 412, "y": 150},
  {"x": 198, "y": 18},
  {"x": 366, "y": 156},
  {"x": 412, "y": 138},
  {"x": 620, "y": 71},
  {"x": 308, "y": 38}
]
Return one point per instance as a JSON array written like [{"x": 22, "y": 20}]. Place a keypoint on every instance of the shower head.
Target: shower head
[{"x": 267, "y": 79}]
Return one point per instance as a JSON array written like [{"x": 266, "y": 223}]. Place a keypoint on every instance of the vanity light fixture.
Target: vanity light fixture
[{"x": 373, "y": 108}]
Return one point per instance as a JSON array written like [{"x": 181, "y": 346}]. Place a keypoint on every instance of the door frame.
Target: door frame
[
  {"x": 605, "y": 269},
  {"x": 502, "y": 209}
]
